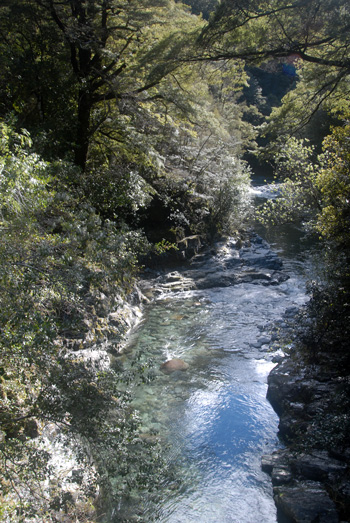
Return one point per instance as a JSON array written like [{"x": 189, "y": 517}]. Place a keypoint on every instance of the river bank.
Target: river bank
[
  {"x": 311, "y": 474},
  {"x": 219, "y": 312}
]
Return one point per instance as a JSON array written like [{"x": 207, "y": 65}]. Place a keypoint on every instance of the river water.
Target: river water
[{"x": 214, "y": 419}]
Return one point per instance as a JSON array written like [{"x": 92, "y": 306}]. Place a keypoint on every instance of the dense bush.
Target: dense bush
[{"x": 62, "y": 271}]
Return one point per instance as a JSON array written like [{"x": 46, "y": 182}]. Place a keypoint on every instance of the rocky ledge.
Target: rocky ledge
[
  {"x": 247, "y": 260},
  {"x": 311, "y": 475}
]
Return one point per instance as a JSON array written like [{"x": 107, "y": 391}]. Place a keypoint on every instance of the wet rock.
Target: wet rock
[
  {"x": 298, "y": 396},
  {"x": 284, "y": 385},
  {"x": 216, "y": 279},
  {"x": 269, "y": 461},
  {"x": 260, "y": 255},
  {"x": 229, "y": 265},
  {"x": 174, "y": 276},
  {"x": 286, "y": 466},
  {"x": 151, "y": 439},
  {"x": 302, "y": 395},
  {"x": 278, "y": 277},
  {"x": 290, "y": 425},
  {"x": 281, "y": 475},
  {"x": 291, "y": 311},
  {"x": 234, "y": 263},
  {"x": 263, "y": 340},
  {"x": 279, "y": 355},
  {"x": 305, "y": 502},
  {"x": 174, "y": 365},
  {"x": 254, "y": 277}
]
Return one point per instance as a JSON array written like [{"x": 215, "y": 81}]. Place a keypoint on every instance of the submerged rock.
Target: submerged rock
[{"x": 174, "y": 365}]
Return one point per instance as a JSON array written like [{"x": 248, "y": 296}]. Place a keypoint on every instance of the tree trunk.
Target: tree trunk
[{"x": 82, "y": 138}]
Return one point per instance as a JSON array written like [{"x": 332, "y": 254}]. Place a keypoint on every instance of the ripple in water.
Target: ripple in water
[{"x": 214, "y": 418}]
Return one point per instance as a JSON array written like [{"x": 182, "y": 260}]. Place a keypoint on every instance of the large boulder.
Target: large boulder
[{"x": 305, "y": 502}]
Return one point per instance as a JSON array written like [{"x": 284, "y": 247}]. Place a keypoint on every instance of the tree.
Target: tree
[
  {"x": 311, "y": 35},
  {"x": 333, "y": 183},
  {"x": 111, "y": 54},
  {"x": 203, "y": 7},
  {"x": 314, "y": 187},
  {"x": 316, "y": 30},
  {"x": 124, "y": 96}
]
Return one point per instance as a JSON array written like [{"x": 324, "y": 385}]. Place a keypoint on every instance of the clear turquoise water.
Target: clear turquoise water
[{"x": 213, "y": 418}]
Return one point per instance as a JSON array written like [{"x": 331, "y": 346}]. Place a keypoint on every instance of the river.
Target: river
[{"x": 214, "y": 419}]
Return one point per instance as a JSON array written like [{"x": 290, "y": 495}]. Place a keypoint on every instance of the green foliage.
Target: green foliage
[
  {"x": 63, "y": 271},
  {"x": 333, "y": 182},
  {"x": 164, "y": 246},
  {"x": 33, "y": 81},
  {"x": 203, "y": 7},
  {"x": 203, "y": 152},
  {"x": 22, "y": 175},
  {"x": 317, "y": 32},
  {"x": 315, "y": 190},
  {"x": 298, "y": 198},
  {"x": 127, "y": 131},
  {"x": 87, "y": 64},
  {"x": 126, "y": 95},
  {"x": 309, "y": 39}
]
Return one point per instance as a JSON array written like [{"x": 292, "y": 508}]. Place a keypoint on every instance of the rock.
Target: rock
[
  {"x": 290, "y": 426},
  {"x": 95, "y": 359},
  {"x": 254, "y": 277},
  {"x": 291, "y": 311},
  {"x": 278, "y": 277},
  {"x": 151, "y": 439},
  {"x": 174, "y": 276},
  {"x": 302, "y": 394},
  {"x": 305, "y": 502},
  {"x": 281, "y": 475},
  {"x": 286, "y": 385},
  {"x": 216, "y": 279},
  {"x": 318, "y": 466},
  {"x": 260, "y": 255},
  {"x": 269, "y": 461},
  {"x": 263, "y": 340},
  {"x": 279, "y": 355},
  {"x": 234, "y": 263},
  {"x": 228, "y": 265},
  {"x": 174, "y": 365},
  {"x": 285, "y": 466}
]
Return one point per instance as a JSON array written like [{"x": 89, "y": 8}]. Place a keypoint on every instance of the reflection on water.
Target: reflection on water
[{"x": 214, "y": 419}]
